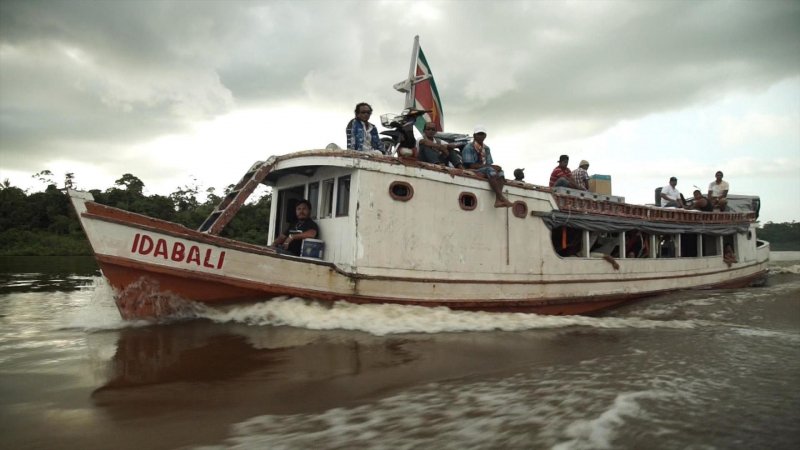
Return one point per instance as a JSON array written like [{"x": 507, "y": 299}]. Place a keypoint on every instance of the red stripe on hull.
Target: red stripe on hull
[{"x": 145, "y": 292}]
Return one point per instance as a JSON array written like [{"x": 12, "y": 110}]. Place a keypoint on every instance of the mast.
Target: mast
[
  {"x": 428, "y": 97},
  {"x": 407, "y": 86},
  {"x": 412, "y": 73}
]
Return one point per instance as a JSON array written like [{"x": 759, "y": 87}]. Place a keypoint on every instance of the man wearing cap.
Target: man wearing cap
[
  {"x": 670, "y": 195},
  {"x": 580, "y": 176},
  {"x": 718, "y": 192},
  {"x": 477, "y": 156},
  {"x": 561, "y": 175}
]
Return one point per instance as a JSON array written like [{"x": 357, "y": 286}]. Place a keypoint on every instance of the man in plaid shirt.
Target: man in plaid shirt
[{"x": 580, "y": 176}]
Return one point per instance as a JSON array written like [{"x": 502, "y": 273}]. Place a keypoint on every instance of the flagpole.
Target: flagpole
[{"x": 412, "y": 72}]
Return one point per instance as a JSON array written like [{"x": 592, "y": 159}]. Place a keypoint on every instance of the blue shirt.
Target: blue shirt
[
  {"x": 356, "y": 138},
  {"x": 470, "y": 156}
]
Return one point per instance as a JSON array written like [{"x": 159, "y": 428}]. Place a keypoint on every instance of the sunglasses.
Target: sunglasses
[
  {"x": 430, "y": 129},
  {"x": 365, "y": 112}
]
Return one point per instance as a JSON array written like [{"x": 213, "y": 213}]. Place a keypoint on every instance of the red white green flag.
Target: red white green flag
[
  {"x": 420, "y": 89},
  {"x": 426, "y": 96}
]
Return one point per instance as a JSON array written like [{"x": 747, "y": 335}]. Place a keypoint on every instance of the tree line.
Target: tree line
[
  {"x": 44, "y": 223},
  {"x": 781, "y": 236}
]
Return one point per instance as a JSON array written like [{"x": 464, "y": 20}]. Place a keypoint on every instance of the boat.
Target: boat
[{"x": 395, "y": 230}]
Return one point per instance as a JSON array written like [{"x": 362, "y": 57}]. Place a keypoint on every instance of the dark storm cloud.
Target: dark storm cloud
[
  {"x": 75, "y": 75},
  {"x": 81, "y": 72},
  {"x": 76, "y": 72},
  {"x": 617, "y": 60}
]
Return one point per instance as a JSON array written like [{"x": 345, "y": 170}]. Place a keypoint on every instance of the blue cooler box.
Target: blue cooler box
[{"x": 312, "y": 248}]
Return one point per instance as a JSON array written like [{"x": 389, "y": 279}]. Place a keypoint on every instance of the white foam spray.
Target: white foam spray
[{"x": 386, "y": 319}]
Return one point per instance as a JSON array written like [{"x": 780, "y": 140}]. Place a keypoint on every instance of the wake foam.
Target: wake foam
[
  {"x": 98, "y": 311},
  {"x": 775, "y": 269},
  {"x": 384, "y": 319}
]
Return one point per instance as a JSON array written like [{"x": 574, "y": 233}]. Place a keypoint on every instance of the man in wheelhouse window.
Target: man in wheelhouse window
[{"x": 291, "y": 240}]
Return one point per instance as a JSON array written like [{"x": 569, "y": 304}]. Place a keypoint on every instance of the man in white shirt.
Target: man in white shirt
[
  {"x": 670, "y": 196},
  {"x": 718, "y": 192}
]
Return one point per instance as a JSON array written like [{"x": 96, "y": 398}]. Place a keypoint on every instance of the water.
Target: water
[{"x": 714, "y": 369}]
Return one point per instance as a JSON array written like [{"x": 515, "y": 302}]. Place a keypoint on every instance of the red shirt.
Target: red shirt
[{"x": 558, "y": 172}]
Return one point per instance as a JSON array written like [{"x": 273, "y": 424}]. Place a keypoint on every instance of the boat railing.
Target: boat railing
[{"x": 591, "y": 206}]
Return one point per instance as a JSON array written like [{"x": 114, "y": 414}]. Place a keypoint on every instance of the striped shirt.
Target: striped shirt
[{"x": 558, "y": 172}]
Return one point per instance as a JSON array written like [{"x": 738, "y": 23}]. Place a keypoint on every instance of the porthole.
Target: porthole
[
  {"x": 467, "y": 201},
  {"x": 519, "y": 209},
  {"x": 401, "y": 191}
]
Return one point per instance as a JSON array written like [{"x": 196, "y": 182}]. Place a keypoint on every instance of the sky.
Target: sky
[{"x": 185, "y": 92}]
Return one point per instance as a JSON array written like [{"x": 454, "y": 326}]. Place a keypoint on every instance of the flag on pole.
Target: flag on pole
[
  {"x": 426, "y": 96},
  {"x": 420, "y": 90}
]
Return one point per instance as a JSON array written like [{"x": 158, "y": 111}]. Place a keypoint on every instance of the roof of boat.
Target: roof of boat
[{"x": 567, "y": 200}]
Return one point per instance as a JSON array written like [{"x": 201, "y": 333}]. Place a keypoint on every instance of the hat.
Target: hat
[
  {"x": 673, "y": 178},
  {"x": 479, "y": 129},
  {"x": 583, "y": 163},
  {"x": 563, "y": 157}
]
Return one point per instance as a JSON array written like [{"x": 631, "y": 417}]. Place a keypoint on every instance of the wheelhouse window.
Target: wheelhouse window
[
  {"x": 287, "y": 201},
  {"x": 326, "y": 206},
  {"x": 313, "y": 198},
  {"x": 343, "y": 197}
]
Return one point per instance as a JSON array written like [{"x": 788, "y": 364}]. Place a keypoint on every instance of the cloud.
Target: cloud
[
  {"x": 736, "y": 131},
  {"x": 105, "y": 82}
]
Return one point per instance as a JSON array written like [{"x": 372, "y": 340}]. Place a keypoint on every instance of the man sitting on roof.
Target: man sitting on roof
[
  {"x": 699, "y": 202},
  {"x": 433, "y": 150},
  {"x": 670, "y": 196},
  {"x": 291, "y": 240},
  {"x": 362, "y": 135},
  {"x": 718, "y": 192},
  {"x": 561, "y": 175},
  {"x": 478, "y": 157},
  {"x": 580, "y": 176}
]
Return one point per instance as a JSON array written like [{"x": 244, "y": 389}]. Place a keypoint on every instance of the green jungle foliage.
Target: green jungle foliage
[
  {"x": 44, "y": 223},
  {"x": 781, "y": 236}
]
